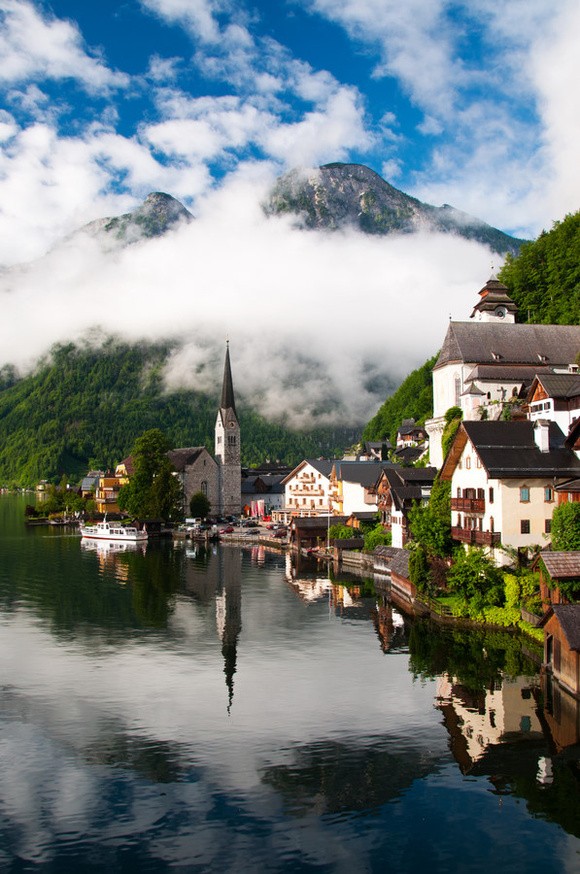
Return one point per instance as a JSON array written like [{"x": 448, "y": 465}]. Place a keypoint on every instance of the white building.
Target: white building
[
  {"x": 489, "y": 361},
  {"x": 503, "y": 479}
]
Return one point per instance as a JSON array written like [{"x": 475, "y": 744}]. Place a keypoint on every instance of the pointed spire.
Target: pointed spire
[{"x": 228, "y": 401}]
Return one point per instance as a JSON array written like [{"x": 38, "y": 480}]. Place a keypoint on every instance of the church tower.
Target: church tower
[
  {"x": 495, "y": 304},
  {"x": 227, "y": 448}
]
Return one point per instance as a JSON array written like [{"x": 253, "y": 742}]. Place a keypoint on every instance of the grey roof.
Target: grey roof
[
  {"x": 488, "y": 342},
  {"x": 322, "y": 465},
  {"x": 507, "y": 373},
  {"x": 181, "y": 458},
  {"x": 561, "y": 385},
  {"x": 508, "y": 449},
  {"x": 568, "y": 615},
  {"x": 561, "y": 565},
  {"x": 571, "y": 485}
]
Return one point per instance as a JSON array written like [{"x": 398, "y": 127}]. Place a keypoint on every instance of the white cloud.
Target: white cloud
[
  {"x": 198, "y": 16},
  {"x": 33, "y": 44}
]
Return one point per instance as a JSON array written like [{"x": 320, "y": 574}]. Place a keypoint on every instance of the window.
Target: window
[
  {"x": 491, "y": 495},
  {"x": 524, "y": 495},
  {"x": 204, "y": 488},
  {"x": 457, "y": 390},
  {"x": 468, "y": 463},
  {"x": 548, "y": 495},
  {"x": 524, "y": 526},
  {"x": 548, "y": 526},
  {"x": 231, "y": 439},
  {"x": 478, "y": 461}
]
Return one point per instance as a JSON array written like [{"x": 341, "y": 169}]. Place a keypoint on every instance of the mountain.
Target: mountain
[
  {"x": 339, "y": 196},
  {"x": 84, "y": 407},
  {"x": 157, "y": 214}
]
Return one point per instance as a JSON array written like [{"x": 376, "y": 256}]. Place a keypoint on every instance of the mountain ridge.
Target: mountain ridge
[{"x": 337, "y": 196}]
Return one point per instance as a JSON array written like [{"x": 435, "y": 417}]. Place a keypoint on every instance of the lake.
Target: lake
[{"x": 175, "y": 709}]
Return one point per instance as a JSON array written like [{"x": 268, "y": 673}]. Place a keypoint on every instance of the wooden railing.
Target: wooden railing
[
  {"x": 468, "y": 505},
  {"x": 479, "y": 538}
]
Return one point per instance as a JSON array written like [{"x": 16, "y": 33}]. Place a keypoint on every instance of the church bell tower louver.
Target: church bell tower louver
[{"x": 227, "y": 447}]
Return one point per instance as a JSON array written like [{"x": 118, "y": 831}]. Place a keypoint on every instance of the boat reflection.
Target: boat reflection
[{"x": 109, "y": 550}]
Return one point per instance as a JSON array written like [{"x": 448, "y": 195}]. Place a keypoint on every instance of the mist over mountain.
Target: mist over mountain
[
  {"x": 337, "y": 196},
  {"x": 324, "y": 322}
]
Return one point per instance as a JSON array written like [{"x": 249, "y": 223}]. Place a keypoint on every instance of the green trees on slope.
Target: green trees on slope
[
  {"x": 84, "y": 408},
  {"x": 412, "y": 400},
  {"x": 544, "y": 279}
]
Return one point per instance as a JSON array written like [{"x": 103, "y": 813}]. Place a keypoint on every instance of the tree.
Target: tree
[
  {"x": 430, "y": 526},
  {"x": 377, "y": 536},
  {"x": 474, "y": 576},
  {"x": 199, "y": 506},
  {"x": 153, "y": 491},
  {"x": 566, "y": 527}
]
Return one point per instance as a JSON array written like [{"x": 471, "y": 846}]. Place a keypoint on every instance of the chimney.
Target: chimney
[{"x": 542, "y": 434}]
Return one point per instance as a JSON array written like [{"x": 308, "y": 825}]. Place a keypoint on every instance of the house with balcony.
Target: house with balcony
[
  {"x": 398, "y": 489},
  {"x": 503, "y": 479},
  {"x": 306, "y": 490}
]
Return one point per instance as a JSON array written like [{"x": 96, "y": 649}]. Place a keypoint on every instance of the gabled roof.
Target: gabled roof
[
  {"x": 321, "y": 465},
  {"x": 489, "y": 342},
  {"x": 563, "y": 386},
  {"x": 568, "y": 615},
  {"x": 508, "y": 450}
]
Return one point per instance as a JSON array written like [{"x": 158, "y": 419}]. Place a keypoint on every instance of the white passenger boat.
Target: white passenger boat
[{"x": 113, "y": 531}]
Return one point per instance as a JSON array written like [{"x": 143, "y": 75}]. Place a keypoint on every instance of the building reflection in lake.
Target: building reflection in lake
[
  {"x": 215, "y": 575},
  {"x": 479, "y": 720}
]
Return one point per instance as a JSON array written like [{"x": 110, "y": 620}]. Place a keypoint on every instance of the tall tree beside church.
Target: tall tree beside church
[
  {"x": 153, "y": 492},
  {"x": 544, "y": 278}
]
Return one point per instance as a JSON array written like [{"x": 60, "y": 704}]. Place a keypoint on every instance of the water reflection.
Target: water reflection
[{"x": 200, "y": 709}]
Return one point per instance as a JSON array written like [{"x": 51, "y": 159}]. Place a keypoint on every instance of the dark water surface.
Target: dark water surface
[{"x": 219, "y": 711}]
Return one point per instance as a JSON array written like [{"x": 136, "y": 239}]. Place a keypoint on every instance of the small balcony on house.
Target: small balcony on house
[
  {"x": 475, "y": 537},
  {"x": 468, "y": 505}
]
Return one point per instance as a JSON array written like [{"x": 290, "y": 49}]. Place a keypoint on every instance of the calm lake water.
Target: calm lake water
[{"x": 167, "y": 709}]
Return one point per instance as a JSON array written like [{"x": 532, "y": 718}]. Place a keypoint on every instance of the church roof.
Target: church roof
[
  {"x": 228, "y": 400},
  {"x": 489, "y": 343},
  {"x": 182, "y": 458}
]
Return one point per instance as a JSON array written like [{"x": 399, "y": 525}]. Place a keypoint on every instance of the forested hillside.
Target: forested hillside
[
  {"x": 412, "y": 400},
  {"x": 543, "y": 280},
  {"x": 85, "y": 407}
]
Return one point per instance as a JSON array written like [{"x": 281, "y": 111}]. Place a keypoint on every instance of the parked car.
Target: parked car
[{"x": 228, "y": 530}]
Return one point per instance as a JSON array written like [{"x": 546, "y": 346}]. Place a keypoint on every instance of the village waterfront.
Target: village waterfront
[{"x": 182, "y": 708}]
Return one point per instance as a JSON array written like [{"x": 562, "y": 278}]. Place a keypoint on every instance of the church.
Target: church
[
  {"x": 490, "y": 360},
  {"x": 218, "y": 476}
]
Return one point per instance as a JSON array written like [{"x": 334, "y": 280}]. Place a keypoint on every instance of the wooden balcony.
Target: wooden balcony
[
  {"x": 468, "y": 505},
  {"x": 476, "y": 538}
]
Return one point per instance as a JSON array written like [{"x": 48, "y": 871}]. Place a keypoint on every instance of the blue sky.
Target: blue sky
[{"x": 468, "y": 103}]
